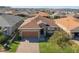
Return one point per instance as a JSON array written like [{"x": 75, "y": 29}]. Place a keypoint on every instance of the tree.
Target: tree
[
  {"x": 56, "y": 17},
  {"x": 2, "y": 38}
]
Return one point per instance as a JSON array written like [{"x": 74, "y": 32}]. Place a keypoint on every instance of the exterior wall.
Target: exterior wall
[
  {"x": 73, "y": 31},
  {"x": 72, "y": 34},
  {"x": 8, "y": 31},
  {"x": 11, "y": 29},
  {"x": 51, "y": 28}
]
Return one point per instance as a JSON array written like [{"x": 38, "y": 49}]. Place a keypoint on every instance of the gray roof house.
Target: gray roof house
[{"x": 9, "y": 23}]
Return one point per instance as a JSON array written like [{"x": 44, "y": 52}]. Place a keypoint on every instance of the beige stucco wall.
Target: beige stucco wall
[{"x": 75, "y": 30}]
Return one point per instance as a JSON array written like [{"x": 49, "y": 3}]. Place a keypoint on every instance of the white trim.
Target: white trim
[
  {"x": 29, "y": 28},
  {"x": 53, "y": 26}
]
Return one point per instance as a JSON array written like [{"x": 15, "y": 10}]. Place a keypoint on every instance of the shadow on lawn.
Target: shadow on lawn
[{"x": 32, "y": 40}]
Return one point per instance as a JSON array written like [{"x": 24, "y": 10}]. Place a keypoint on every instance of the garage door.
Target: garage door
[{"x": 30, "y": 34}]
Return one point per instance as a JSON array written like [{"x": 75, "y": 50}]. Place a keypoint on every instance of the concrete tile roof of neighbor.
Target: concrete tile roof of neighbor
[
  {"x": 9, "y": 20},
  {"x": 69, "y": 22},
  {"x": 33, "y": 22},
  {"x": 44, "y": 14}
]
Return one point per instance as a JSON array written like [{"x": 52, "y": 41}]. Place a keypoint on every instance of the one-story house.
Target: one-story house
[
  {"x": 37, "y": 26},
  {"x": 9, "y": 23},
  {"x": 70, "y": 25}
]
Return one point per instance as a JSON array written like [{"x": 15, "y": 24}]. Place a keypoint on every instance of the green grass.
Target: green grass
[
  {"x": 2, "y": 37},
  {"x": 58, "y": 43},
  {"x": 14, "y": 46},
  {"x": 1, "y": 48}
]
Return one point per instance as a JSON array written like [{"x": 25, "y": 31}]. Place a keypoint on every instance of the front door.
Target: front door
[
  {"x": 42, "y": 31},
  {"x": 76, "y": 35}
]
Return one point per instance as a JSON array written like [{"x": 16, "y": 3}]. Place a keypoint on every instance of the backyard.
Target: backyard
[{"x": 59, "y": 42}]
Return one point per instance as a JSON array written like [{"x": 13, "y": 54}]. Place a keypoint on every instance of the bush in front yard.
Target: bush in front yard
[
  {"x": 2, "y": 38},
  {"x": 1, "y": 48},
  {"x": 0, "y": 33},
  {"x": 13, "y": 46},
  {"x": 58, "y": 42}
]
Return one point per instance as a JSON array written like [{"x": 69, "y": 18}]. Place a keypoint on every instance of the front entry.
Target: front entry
[
  {"x": 76, "y": 35},
  {"x": 42, "y": 32}
]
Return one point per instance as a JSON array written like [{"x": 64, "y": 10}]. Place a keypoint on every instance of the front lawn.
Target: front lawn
[
  {"x": 15, "y": 43},
  {"x": 59, "y": 42},
  {"x": 2, "y": 39},
  {"x": 9, "y": 44},
  {"x": 14, "y": 46}
]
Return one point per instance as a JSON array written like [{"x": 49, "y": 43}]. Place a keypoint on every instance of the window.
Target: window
[
  {"x": 52, "y": 28},
  {"x": 5, "y": 31},
  {"x": 76, "y": 34}
]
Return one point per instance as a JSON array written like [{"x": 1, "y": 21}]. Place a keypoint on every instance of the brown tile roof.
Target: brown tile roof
[
  {"x": 46, "y": 20},
  {"x": 33, "y": 22},
  {"x": 44, "y": 14},
  {"x": 69, "y": 22}
]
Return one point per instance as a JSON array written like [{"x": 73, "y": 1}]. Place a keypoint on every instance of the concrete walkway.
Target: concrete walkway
[
  {"x": 76, "y": 41},
  {"x": 27, "y": 47}
]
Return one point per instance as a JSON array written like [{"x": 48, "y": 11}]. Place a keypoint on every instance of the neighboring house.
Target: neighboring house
[
  {"x": 37, "y": 26},
  {"x": 11, "y": 11},
  {"x": 9, "y": 23},
  {"x": 43, "y": 14},
  {"x": 57, "y": 15},
  {"x": 70, "y": 25}
]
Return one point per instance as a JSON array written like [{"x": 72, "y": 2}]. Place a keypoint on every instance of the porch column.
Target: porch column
[
  {"x": 20, "y": 33},
  {"x": 44, "y": 32}
]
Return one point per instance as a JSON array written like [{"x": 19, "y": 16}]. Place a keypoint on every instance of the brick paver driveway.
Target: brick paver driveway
[{"x": 28, "y": 47}]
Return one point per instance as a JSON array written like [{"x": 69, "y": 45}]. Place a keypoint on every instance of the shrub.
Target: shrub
[
  {"x": 56, "y": 17},
  {"x": 0, "y": 33},
  {"x": 2, "y": 38}
]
